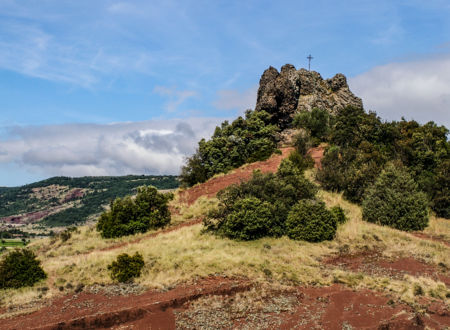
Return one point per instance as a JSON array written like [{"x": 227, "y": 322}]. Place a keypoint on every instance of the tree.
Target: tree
[
  {"x": 309, "y": 220},
  {"x": 396, "y": 201},
  {"x": 127, "y": 216},
  {"x": 20, "y": 268}
]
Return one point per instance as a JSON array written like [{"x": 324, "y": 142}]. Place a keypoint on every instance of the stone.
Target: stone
[{"x": 285, "y": 93}]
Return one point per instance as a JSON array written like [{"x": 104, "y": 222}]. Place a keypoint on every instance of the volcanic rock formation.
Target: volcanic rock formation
[{"x": 285, "y": 93}]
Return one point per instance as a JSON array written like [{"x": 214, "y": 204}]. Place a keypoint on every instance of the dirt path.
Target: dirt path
[
  {"x": 317, "y": 155},
  {"x": 211, "y": 187}
]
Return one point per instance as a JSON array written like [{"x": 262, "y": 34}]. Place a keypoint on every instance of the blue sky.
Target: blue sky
[{"x": 102, "y": 87}]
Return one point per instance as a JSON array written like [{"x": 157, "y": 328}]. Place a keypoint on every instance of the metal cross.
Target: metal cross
[{"x": 309, "y": 61}]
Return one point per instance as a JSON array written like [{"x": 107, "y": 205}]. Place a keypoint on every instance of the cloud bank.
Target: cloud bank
[
  {"x": 417, "y": 90},
  {"x": 148, "y": 147}
]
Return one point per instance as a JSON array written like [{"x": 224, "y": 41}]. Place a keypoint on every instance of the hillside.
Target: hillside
[
  {"x": 63, "y": 201},
  {"x": 273, "y": 228}
]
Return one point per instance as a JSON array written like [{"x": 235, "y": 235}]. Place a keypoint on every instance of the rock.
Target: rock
[{"x": 285, "y": 93}]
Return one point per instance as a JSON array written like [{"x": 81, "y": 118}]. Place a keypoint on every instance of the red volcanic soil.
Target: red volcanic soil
[
  {"x": 371, "y": 262},
  {"x": 333, "y": 307},
  {"x": 211, "y": 187},
  {"x": 317, "y": 155},
  {"x": 151, "y": 310},
  {"x": 73, "y": 194},
  {"x": 430, "y": 237}
]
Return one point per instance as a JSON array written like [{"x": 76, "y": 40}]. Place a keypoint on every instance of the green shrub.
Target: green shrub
[
  {"x": 20, "y": 268},
  {"x": 249, "y": 219},
  {"x": 129, "y": 216},
  {"x": 126, "y": 267},
  {"x": 309, "y": 220},
  {"x": 315, "y": 122},
  {"x": 268, "y": 197},
  {"x": 232, "y": 145},
  {"x": 338, "y": 214},
  {"x": 302, "y": 162},
  {"x": 395, "y": 200}
]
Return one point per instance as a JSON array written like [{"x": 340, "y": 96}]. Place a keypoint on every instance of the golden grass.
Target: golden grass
[{"x": 185, "y": 254}]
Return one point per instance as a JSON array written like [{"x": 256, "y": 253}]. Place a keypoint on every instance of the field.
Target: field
[{"x": 11, "y": 243}]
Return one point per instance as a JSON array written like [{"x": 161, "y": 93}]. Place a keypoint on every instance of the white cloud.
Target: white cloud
[
  {"x": 175, "y": 97},
  {"x": 231, "y": 99},
  {"x": 149, "y": 147},
  {"x": 415, "y": 90}
]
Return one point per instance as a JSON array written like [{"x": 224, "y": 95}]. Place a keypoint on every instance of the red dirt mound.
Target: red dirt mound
[{"x": 211, "y": 187}]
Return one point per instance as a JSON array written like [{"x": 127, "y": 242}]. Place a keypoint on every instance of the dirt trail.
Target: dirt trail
[
  {"x": 317, "y": 155},
  {"x": 211, "y": 187}
]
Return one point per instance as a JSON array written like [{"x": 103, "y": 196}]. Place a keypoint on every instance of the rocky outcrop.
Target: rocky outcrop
[{"x": 290, "y": 91}]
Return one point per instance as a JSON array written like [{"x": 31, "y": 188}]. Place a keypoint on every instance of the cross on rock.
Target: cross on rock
[{"x": 309, "y": 61}]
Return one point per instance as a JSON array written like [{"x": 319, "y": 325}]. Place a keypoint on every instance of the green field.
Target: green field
[{"x": 11, "y": 243}]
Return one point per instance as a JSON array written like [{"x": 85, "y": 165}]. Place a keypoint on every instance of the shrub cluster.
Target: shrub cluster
[
  {"x": 20, "y": 268},
  {"x": 129, "y": 216},
  {"x": 262, "y": 206},
  {"x": 126, "y": 267},
  {"x": 395, "y": 201},
  {"x": 232, "y": 145},
  {"x": 360, "y": 145}
]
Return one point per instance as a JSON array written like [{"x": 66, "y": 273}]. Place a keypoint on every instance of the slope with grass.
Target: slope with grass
[{"x": 287, "y": 273}]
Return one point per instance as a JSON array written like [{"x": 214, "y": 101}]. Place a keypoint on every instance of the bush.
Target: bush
[
  {"x": 126, "y": 268},
  {"x": 302, "y": 162},
  {"x": 268, "y": 197},
  {"x": 129, "y": 216},
  {"x": 249, "y": 219},
  {"x": 232, "y": 145},
  {"x": 338, "y": 214},
  {"x": 395, "y": 200},
  {"x": 20, "y": 268},
  {"x": 315, "y": 122},
  {"x": 309, "y": 220}
]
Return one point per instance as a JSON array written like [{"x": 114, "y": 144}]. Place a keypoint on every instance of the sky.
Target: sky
[{"x": 129, "y": 87}]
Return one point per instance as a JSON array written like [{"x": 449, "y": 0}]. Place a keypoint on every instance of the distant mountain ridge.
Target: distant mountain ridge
[{"x": 63, "y": 201}]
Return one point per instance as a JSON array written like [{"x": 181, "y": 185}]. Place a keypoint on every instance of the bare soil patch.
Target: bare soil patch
[
  {"x": 224, "y": 303},
  {"x": 317, "y": 155},
  {"x": 372, "y": 263},
  {"x": 211, "y": 187}
]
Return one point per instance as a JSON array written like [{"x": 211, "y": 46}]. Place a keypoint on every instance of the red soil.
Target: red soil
[
  {"x": 73, "y": 194},
  {"x": 333, "y": 307},
  {"x": 151, "y": 310},
  {"x": 371, "y": 262},
  {"x": 432, "y": 238},
  {"x": 317, "y": 155},
  {"x": 211, "y": 187}
]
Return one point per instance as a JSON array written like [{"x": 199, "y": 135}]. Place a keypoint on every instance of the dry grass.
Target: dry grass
[{"x": 187, "y": 253}]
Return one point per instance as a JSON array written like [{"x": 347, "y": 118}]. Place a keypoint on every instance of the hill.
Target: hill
[
  {"x": 292, "y": 177},
  {"x": 64, "y": 201}
]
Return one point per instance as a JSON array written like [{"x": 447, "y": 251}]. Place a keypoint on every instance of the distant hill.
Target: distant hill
[{"x": 64, "y": 201}]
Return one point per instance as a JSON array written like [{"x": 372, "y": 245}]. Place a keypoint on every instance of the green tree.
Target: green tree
[
  {"x": 20, "y": 268},
  {"x": 309, "y": 220},
  {"x": 127, "y": 216},
  {"x": 396, "y": 201}
]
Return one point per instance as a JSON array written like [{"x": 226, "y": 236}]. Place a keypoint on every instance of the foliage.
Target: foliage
[
  {"x": 126, "y": 267},
  {"x": 259, "y": 207},
  {"x": 20, "y": 268},
  {"x": 361, "y": 144},
  {"x": 301, "y": 161},
  {"x": 338, "y": 214},
  {"x": 129, "y": 216},
  {"x": 316, "y": 122},
  {"x": 100, "y": 191},
  {"x": 232, "y": 145},
  {"x": 396, "y": 201},
  {"x": 309, "y": 220},
  {"x": 249, "y": 219}
]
